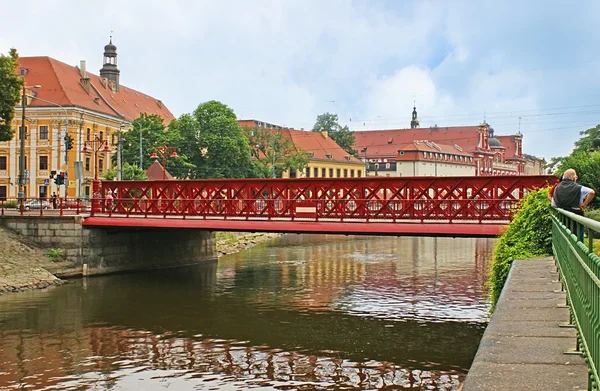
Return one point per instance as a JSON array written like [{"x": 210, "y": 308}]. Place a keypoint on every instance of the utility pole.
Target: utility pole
[
  {"x": 21, "y": 193},
  {"x": 119, "y": 154},
  {"x": 141, "y": 158}
]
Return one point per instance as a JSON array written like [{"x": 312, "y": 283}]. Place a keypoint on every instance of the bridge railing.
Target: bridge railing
[
  {"x": 579, "y": 269},
  {"x": 44, "y": 206},
  {"x": 344, "y": 199},
  {"x": 314, "y": 210}
]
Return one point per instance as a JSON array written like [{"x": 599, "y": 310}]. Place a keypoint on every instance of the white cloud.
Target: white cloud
[{"x": 286, "y": 61}]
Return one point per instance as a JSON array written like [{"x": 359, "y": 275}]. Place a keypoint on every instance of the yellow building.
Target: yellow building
[
  {"x": 327, "y": 158},
  {"x": 67, "y": 100}
]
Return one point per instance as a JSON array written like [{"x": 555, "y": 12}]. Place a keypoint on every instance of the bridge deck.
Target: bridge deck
[{"x": 454, "y": 229}]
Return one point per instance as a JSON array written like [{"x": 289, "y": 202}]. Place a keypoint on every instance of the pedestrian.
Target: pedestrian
[
  {"x": 109, "y": 201},
  {"x": 54, "y": 199},
  {"x": 572, "y": 197},
  {"x": 551, "y": 192}
]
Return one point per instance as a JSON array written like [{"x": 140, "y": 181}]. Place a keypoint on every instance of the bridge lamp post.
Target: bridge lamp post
[
  {"x": 364, "y": 151},
  {"x": 21, "y": 192},
  {"x": 96, "y": 145},
  {"x": 164, "y": 152}
]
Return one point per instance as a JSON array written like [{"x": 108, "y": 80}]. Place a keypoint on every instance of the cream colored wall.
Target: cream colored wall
[
  {"x": 319, "y": 165},
  {"x": 428, "y": 168}
]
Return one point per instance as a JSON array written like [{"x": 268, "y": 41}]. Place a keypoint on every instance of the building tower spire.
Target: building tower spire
[
  {"x": 109, "y": 68},
  {"x": 414, "y": 123}
]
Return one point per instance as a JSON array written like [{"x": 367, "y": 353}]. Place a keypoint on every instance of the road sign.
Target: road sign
[
  {"x": 46, "y": 182},
  {"x": 64, "y": 167},
  {"x": 66, "y": 175}
]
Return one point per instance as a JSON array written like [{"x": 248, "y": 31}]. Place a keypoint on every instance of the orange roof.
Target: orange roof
[
  {"x": 319, "y": 145},
  {"x": 155, "y": 172},
  {"x": 61, "y": 84},
  {"x": 386, "y": 142}
]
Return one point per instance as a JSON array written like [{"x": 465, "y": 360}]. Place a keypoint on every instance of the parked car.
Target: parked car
[{"x": 37, "y": 204}]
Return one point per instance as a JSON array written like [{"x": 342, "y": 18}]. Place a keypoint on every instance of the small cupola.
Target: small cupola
[{"x": 109, "y": 69}]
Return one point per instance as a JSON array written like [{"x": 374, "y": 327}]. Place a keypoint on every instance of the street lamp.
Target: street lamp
[
  {"x": 21, "y": 193},
  {"x": 164, "y": 151},
  {"x": 96, "y": 145}
]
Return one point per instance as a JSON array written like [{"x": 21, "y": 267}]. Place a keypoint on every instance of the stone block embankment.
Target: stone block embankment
[{"x": 109, "y": 250}]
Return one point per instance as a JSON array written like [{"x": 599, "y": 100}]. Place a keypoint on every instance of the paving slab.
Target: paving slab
[
  {"x": 489, "y": 377},
  {"x": 557, "y": 315},
  {"x": 523, "y": 346},
  {"x": 529, "y": 328}
]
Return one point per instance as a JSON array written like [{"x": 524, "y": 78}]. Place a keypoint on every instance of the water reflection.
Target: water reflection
[{"x": 304, "y": 312}]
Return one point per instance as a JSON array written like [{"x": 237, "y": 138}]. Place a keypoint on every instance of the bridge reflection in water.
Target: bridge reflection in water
[{"x": 306, "y": 312}]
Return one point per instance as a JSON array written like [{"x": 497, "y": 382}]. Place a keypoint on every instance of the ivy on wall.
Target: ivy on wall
[{"x": 529, "y": 235}]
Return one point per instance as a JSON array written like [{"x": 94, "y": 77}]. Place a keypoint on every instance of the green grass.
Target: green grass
[{"x": 227, "y": 237}]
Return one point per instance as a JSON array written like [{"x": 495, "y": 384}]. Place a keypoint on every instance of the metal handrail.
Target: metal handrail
[{"x": 579, "y": 269}]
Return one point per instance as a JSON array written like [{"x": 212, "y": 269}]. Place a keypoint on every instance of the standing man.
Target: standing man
[
  {"x": 571, "y": 196},
  {"x": 54, "y": 198}
]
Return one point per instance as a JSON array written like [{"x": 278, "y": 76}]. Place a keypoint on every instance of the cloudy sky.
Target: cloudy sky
[{"x": 520, "y": 65}]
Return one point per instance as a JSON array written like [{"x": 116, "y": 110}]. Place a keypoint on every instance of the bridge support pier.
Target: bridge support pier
[{"x": 109, "y": 250}]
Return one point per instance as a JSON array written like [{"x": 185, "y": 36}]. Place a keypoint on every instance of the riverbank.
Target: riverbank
[
  {"x": 24, "y": 266},
  {"x": 233, "y": 242}
]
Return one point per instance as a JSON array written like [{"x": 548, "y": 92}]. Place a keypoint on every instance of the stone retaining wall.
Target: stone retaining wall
[{"x": 107, "y": 250}]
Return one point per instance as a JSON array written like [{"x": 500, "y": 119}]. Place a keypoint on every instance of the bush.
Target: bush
[
  {"x": 55, "y": 254},
  {"x": 529, "y": 235},
  {"x": 12, "y": 204},
  {"x": 593, "y": 214}
]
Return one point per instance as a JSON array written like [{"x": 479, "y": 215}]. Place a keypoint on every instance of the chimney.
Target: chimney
[
  {"x": 325, "y": 134},
  {"x": 82, "y": 69},
  {"x": 84, "y": 81}
]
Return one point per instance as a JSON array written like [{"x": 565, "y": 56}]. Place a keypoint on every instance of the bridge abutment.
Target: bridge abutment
[{"x": 110, "y": 250}]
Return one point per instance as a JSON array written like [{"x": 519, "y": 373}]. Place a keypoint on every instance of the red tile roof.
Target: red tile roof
[
  {"x": 319, "y": 145},
  {"x": 155, "y": 172},
  {"x": 61, "y": 84},
  {"x": 387, "y": 142},
  {"x": 311, "y": 142}
]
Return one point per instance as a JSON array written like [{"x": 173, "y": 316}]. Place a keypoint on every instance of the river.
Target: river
[{"x": 300, "y": 312}]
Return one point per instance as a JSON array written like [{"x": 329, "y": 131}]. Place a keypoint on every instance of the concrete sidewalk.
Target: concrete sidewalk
[{"x": 523, "y": 346}]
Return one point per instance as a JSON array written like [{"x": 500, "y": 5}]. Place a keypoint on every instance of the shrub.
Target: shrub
[
  {"x": 12, "y": 204},
  {"x": 529, "y": 235},
  {"x": 593, "y": 214},
  {"x": 54, "y": 254}
]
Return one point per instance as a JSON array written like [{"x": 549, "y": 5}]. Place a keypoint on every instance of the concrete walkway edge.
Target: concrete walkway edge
[{"x": 523, "y": 346}]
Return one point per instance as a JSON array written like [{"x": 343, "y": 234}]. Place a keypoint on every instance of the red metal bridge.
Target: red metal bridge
[{"x": 446, "y": 206}]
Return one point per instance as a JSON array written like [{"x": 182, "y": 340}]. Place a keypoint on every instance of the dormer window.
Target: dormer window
[{"x": 329, "y": 156}]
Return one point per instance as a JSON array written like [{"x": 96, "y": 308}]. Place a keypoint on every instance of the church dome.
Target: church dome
[
  {"x": 110, "y": 48},
  {"x": 495, "y": 143}
]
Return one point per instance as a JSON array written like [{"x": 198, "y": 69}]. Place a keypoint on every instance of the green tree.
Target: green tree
[
  {"x": 274, "y": 151},
  {"x": 341, "y": 135},
  {"x": 129, "y": 173},
  {"x": 10, "y": 93},
  {"x": 153, "y": 134},
  {"x": 214, "y": 143}
]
